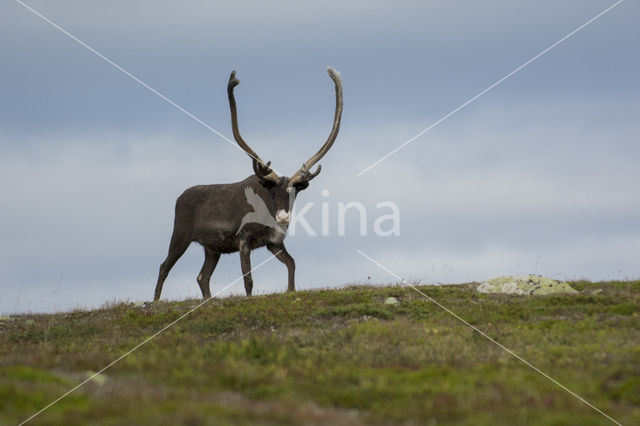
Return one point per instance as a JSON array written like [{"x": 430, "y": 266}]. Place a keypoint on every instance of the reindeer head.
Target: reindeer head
[{"x": 282, "y": 190}]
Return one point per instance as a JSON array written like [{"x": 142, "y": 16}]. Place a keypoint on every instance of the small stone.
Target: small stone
[
  {"x": 391, "y": 301},
  {"x": 97, "y": 378}
]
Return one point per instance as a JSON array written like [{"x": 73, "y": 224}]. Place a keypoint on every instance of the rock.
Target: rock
[
  {"x": 531, "y": 285},
  {"x": 97, "y": 378},
  {"x": 391, "y": 301}
]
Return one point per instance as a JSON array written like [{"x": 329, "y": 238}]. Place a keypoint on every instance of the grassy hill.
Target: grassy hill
[{"x": 332, "y": 357}]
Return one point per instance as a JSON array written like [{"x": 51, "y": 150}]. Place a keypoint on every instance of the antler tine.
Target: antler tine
[
  {"x": 261, "y": 169},
  {"x": 264, "y": 171},
  {"x": 304, "y": 173}
]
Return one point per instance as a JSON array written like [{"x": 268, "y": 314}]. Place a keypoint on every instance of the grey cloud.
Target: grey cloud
[
  {"x": 415, "y": 57},
  {"x": 95, "y": 213},
  {"x": 537, "y": 174}
]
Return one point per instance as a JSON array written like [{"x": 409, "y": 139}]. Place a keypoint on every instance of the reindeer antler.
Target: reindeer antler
[
  {"x": 261, "y": 169},
  {"x": 304, "y": 174}
]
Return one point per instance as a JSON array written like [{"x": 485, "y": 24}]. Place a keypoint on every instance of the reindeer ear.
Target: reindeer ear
[{"x": 301, "y": 186}]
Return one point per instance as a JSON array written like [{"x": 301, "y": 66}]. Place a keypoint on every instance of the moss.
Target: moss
[
  {"x": 31, "y": 374},
  {"x": 626, "y": 308}
]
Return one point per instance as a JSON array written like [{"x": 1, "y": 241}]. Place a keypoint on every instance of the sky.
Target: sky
[{"x": 537, "y": 175}]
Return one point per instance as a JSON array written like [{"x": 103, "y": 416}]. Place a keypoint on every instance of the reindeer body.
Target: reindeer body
[
  {"x": 212, "y": 215},
  {"x": 242, "y": 216}
]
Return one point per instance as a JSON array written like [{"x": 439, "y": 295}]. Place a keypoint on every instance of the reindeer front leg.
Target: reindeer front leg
[
  {"x": 283, "y": 256},
  {"x": 245, "y": 264}
]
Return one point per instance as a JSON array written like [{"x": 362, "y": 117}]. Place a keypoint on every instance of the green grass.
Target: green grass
[{"x": 332, "y": 357}]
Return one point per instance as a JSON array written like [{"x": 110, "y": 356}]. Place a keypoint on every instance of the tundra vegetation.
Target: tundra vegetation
[{"x": 332, "y": 357}]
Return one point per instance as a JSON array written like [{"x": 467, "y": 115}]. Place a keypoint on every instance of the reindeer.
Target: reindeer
[{"x": 243, "y": 216}]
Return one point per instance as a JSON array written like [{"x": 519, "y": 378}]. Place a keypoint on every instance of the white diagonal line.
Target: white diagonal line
[
  {"x": 133, "y": 77},
  {"x": 145, "y": 341},
  {"x": 487, "y": 336},
  {"x": 366, "y": 169}
]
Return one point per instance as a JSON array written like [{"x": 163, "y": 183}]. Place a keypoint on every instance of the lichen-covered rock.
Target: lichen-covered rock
[
  {"x": 531, "y": 285},
  {"x": 391, "y": 301}
]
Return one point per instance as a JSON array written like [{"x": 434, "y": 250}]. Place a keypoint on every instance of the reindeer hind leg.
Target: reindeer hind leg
[{"x": 177, "y": 247}]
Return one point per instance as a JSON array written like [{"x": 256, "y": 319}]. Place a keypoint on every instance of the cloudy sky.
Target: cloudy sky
[{"x": 538, "y": 175}]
